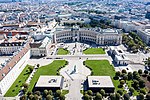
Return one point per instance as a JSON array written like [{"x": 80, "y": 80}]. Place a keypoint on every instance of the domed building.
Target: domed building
[{"x": 148, "y": 12}]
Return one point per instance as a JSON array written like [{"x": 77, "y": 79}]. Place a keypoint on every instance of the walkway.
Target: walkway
[{"x": 75, "y": 72}]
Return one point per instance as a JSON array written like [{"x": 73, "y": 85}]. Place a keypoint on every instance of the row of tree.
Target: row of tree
[
  {"x": 46, "y": 95},
  {"x": 138, "y": 84},
  {"x": 94, "y": 23},
  {"x": 89, "y": 95}
]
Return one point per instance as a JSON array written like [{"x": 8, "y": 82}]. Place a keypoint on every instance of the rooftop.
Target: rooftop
[
  {"x": 122, "y": 57},
  {"x": 49, "y": 81},
  {"x": 100, "y": 81}
]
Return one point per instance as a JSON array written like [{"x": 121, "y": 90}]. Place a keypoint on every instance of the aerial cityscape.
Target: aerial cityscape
[{"x": 74, "y": 50}]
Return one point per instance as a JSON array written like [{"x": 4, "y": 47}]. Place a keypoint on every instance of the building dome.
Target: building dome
[{"x": 148, "y": 8}]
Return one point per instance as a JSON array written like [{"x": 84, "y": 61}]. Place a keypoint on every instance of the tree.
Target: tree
[
  {"x": 126, "y": 97},
  {"x": 98, "y": 96},
  {"x": 49, "y": 97},
  {"x": 143, "y": 91},
  {"x": 140, "y": 71},
  {"x": 36, "y": 97},
  {"x": 86, "y": 97},
  {"x": 135, "y": 73},
  {"x": 90, "y": 92},
  {"x": 118, "y": 96},
  {"x": 30, "y": 68},
  {"x": 146, "y": 72},
  {"x": 24, "y": 97},
  {"x": 24, "y": 90},
  {"x": 62, "y": 97},
  {"x": 147, "y": 62},
  {"x": 37, "y": 93},
  {"x": 29, "y": 93},
  {"x": 118, "y": 73},
  {"x": 130, "y": 76},
  {"x": 38, "y": 65},
  {"x": 45, "y": 93},
  {"x": 141, "y": 83},
  {"x": 134, "y": 48},
  {"x": 26, "y": 85},
  {"x": 135, "y": 83},
  {"x": 148, "y": 78},
  {"x": 90, "y": 97},
  {"x": 120, "y": 92},
  {"x": 50, "y": 92},
  {"x": 112, "y": 97},
  {"x": 125, "y": 77},
  {"x": 131, "y": 89},
  {"x": 137, "y": 77},
  {"x": 122, "y": 82},
  {"x": 141, "y": 96},
  {"x": 102, "y": 92},
  {"x": 31, "y": 97},
  {"x": 124, "y": 71},
  {"x": 58, "y": 93}
]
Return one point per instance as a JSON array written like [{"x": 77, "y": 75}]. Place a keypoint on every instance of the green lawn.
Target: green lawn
[
  {"x": 16, "y": 86},
  {"x": 50, "y": 69},
  {"x": 94, "y": 51},
  {"x": 103, "y": 68},
  {"x": 100, "y": 67},
  {"x": 62, "y": 51}
]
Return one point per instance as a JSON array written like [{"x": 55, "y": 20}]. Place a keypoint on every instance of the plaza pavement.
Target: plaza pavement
[
  {"x": 74, "y": 74},
  {"x": 41, "y": 61}
]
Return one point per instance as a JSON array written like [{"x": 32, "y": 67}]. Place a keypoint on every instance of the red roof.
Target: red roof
[{"x": 5, "y": 70}]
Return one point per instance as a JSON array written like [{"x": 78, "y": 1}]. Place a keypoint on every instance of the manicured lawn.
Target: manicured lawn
[
  {"x": 116, "y": 83},
  {"x": 50, "y": 69},
  {"x": 16, "y": 87},
  {"x": 100, "y": 67},
  {"x": 103, "y": 68},
  {"x": 94, "y": 51},
  {"x": 62, "y": 51}
]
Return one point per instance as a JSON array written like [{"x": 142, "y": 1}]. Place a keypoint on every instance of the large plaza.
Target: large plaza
[{"x": 80, "y": 66}]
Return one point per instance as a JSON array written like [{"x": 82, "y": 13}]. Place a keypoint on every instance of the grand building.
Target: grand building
[
  {"x": 95, "y": 35},
  {"x": 144, "y": 35}
]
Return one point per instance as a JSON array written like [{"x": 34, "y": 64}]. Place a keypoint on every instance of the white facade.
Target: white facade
[
  {"x": 144, "y": 35},
  {"x": 127, "y": 26},
  {"x": 40, "y": 49},
  {"x": 6, "y": 50},
  {"x": 9, "y": 79},
  {"x": 98, "y": 36},
  {"x": 119, "y": 56}
]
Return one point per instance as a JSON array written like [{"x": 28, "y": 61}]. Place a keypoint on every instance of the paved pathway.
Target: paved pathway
[
  {"x": 74, "y": 90},
  {"x": 41, "y": 61},
  {"x": 75, "y": 72}
]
